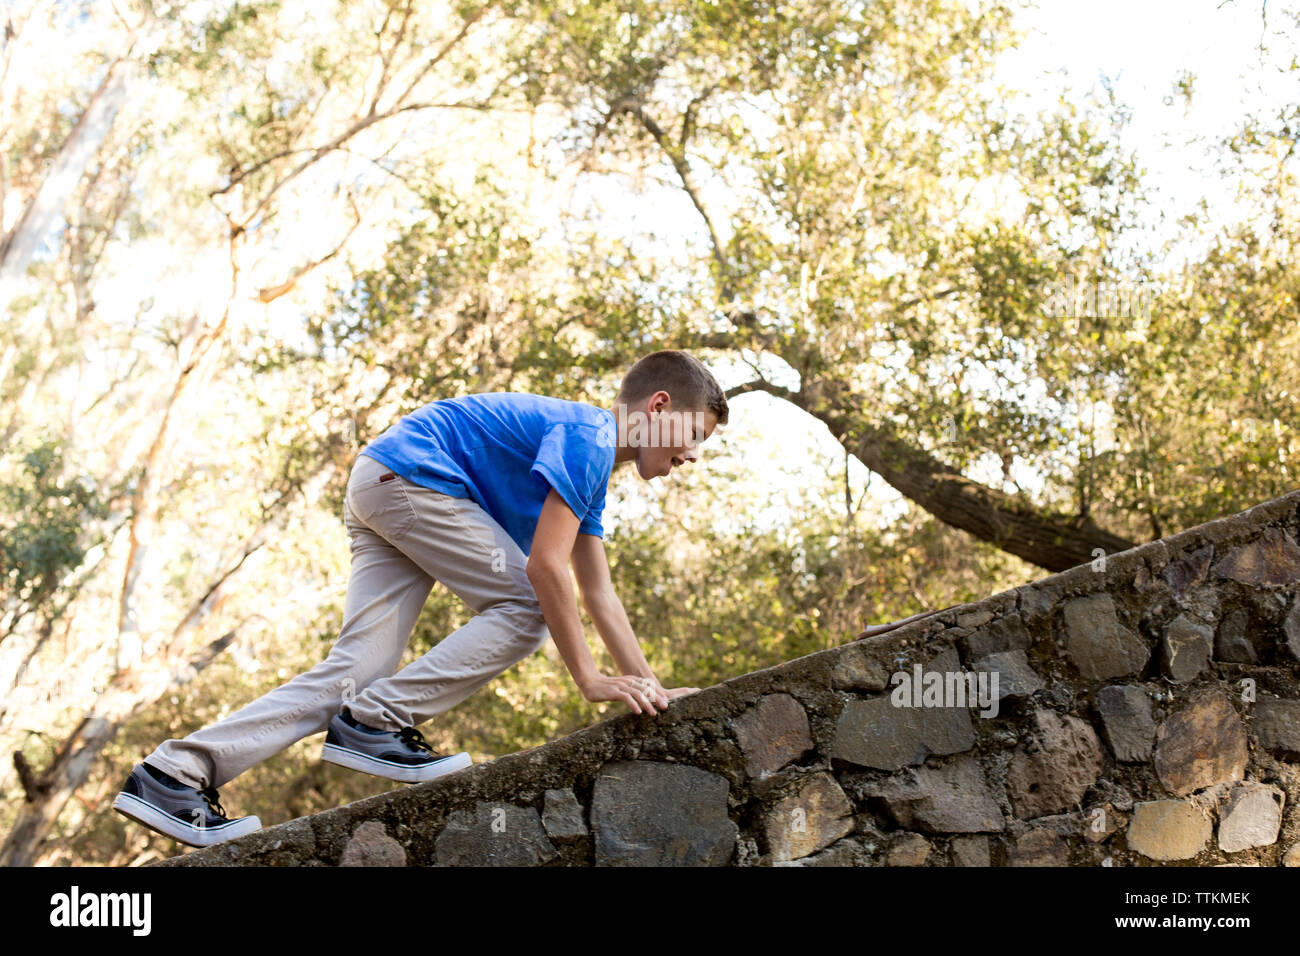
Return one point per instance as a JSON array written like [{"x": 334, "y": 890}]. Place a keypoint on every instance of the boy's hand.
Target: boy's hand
[
  {"x": 639, "y": 693},
  {"x": 676, "y": 692}
]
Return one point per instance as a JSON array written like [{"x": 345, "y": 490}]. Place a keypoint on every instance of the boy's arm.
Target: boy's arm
[
  {"x": 608, "y": 614},
  {"x": 604, "y": 607},
  {"x": 548, "y": 572}
]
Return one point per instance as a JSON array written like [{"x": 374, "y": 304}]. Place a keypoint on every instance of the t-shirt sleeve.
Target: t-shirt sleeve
[
  {"x": 573, "y": 461},
  {"x": 591, "y": 524}
]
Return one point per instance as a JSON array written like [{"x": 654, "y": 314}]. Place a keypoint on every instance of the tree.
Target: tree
[
  {"x": 830, "y": 154},
  {"x": 271, "y": 128}
]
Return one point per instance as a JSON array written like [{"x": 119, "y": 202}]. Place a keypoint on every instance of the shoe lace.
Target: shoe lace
[
  {"x": 210, "y": 795},
  {"x": 414, "y": 738}
]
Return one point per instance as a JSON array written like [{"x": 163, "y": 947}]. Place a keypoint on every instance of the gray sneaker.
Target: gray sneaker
[
  {"x": 398, "y": 755},
  {"x": 165, "y": 805}
]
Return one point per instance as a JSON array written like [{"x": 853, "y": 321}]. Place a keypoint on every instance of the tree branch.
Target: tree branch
[
  {"x": 677, "y": 156},
  {"x": 761, "y": 385}
]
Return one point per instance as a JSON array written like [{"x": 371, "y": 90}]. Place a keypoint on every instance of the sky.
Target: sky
[{"x": 1142, "y": 48}]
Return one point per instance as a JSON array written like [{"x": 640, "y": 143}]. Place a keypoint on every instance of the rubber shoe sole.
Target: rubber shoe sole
[
  {"x": 403, "y": 773},
  {"x": 148, "y": 815}
]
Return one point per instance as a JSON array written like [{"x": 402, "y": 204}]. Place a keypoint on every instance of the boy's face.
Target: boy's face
[{"x": 673, "y": 437}]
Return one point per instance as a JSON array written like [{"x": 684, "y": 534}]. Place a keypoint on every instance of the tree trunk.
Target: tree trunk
[
  {"x": 44, "y": 208},
  {"x": 1051, "y": 541}
]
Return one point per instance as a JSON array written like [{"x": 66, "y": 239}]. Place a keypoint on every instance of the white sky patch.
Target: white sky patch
[{"x": 1142, "y": 49}]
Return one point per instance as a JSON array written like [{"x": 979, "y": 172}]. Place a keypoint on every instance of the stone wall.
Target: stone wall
[{"x": 1148, "y": 713}]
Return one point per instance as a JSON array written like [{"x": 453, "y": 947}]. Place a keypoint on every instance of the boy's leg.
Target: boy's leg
[
  {"x": 386, "y": 592},
  {"x": 458, "y": 543}
]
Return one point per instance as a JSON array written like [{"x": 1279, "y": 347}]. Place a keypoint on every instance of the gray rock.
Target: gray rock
[
  {"x": 1234, "y": 641},
  {"x": 856, "y": 669},
  {"x": 1188, "y": 572},
  {"x": 1126, "y": 718},
  {"x": 951, "y": 799},
  {"x": 494, "y": 834},
  {"x": 1039, "y": 848},
  {"x": 1016, "y": 678},
  {"x": 1068, "y": 825},
  {"x": 1037, "y": 603},
  {"x": 843, "y": 853},
  {"x": 1168, "y": 830},
  {"x": 971, "y": 851},
  {"x": 1098, "y": 823},
  {"x": 877, "y": 733},
  {"x": 646, "y": 813},
  {"x": 1006, "y": 633},
  {"x": 1277, "y": 723},
  {"x": 772, "y": 733},
  {"x": 1291, "y": 630},
  {"x": 1098, "y": 644},
  {"x": 1186, "y": 649},
  {"x": 1201, "y": 745},
  {"x": 372, "y": 846},
  {"x": 1054, "y": 768},
  {"x": 1271, "y": 560},
  {"x": 1251, "y": 816},
  {"x": 1186, "y": 583},
  {"x": 908, "y": 849},
  {"x": 973, "y": 619},
  {"x": 808, "y": 820},
  {"x": 562, "y": 816}
]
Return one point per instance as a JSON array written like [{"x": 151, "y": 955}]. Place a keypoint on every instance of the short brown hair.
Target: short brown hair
[{"x": 690, "y": 385}]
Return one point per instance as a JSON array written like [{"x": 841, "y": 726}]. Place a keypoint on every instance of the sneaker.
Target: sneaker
[
  {"x": 402, "y": 755},
  {"x": 166, "y": 805}
]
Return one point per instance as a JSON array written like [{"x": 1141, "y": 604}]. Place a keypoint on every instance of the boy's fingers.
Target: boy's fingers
[{"x": 636, "y": 695}]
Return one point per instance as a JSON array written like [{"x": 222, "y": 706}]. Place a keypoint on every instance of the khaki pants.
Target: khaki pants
[{"x": 403, "y": 538}]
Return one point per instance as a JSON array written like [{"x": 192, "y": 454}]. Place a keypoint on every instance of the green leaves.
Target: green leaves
[{"x": 47, "y": 524}]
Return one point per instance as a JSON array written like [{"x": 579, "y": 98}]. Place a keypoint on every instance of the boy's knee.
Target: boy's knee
[
  {"x": 539, "y": 636},
  {"x": 531, "y": 623}
]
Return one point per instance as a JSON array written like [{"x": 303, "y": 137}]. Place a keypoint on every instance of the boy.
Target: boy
[{"x": 494, "y": 495}]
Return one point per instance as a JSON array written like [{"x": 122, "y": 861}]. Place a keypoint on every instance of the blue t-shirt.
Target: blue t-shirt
[{"x": 506, "y": 450}]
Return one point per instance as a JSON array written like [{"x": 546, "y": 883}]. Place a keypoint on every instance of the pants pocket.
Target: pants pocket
[{"x": 382, "y": 505}]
